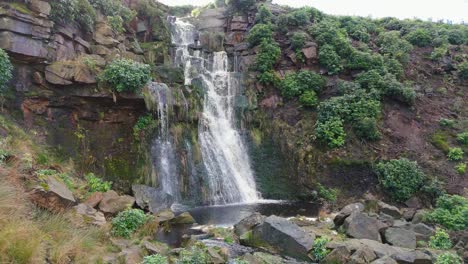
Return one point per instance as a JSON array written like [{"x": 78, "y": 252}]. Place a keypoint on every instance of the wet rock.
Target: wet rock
[
  {"x": 94, "y": 199},
  {"x": 389, "y": 210},
  {"x": 362, "y": 256},
  {"x": 285, "y": 237},
  {"x": 248, "y": 223},
  {"x": 346, "y": 211},
  {"x": 183, "y": 219},
  {"x": 400, "y": 237},
  {"x": 113, "y": 203},
  {"x": 337, "y": 255},
  {"x": 360, "y": 225},
  {"x": 53, "y": 195},
  {"x": 88, "y": 215},
  {"x": 384, "y": 260},
  {"x": 152, "y": 199}
]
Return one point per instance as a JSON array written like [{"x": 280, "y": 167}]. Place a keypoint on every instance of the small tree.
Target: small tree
[{"x": 125, "y": 75}]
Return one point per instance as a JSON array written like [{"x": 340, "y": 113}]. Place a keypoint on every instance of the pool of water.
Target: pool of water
[{"x": 228, "y": 215}]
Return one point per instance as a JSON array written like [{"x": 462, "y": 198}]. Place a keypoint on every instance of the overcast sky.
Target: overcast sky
[{"x": 455, "y": 10}]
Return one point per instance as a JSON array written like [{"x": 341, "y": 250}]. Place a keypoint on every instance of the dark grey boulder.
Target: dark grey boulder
[
  {"x": 285, "y": 237},
  {"x": 337, "y": 255},
  {"x": 362, "y": 256},
  {"x": 347, "y": 211},
  {"x": 389, "y": 210},
  {"x": 248, "y": 223},
  {"x": 400, "y": 237},
  {"x": 360, "y": 225},
  {"x": 152, "y": 199},
  {"x": 384, "y": 260}
]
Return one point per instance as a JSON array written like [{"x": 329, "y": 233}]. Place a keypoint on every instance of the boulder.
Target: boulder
[
  {"x": 347, "y": 211},
  {"x": 41, "y": 7},
  {"x": 155, "y": 247},
  {"x": 248, "y": 223},
  {"x": 360, "y": 225},
  {"x": 423, "y": 231},
  {"x": 414, "y": 202},
  {"x": 400, "y": 237},
  {"x": 94, "y": 199},
  {"x": 408, "y": 213},
  {"x": 418, "y": 216},
  {"x": 88, "y": 215},
  {"x": 103, "y": 35},
  {"x": 164, "y": 215},
  {"x": 362, "y": 256},
  {"x": 310, "y": 51},
  {"x": 389, "y": 210},
  {"x": 413, "y": 257},
  {"x": 152, "y": 199},
  {"x": 52, "y": 194},
  {"x": 384, "y": 260},
  {"x": 262, "y": 258},
  {"x": 183, "y": 219},
  {"x": 337, "y": 255},
  {"x": 113, "y": 203},
  {"x": 284, "y": 236}
]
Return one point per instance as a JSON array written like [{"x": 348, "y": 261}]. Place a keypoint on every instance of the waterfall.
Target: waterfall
[
  {"x": 162, "y": 149},
  {"x": 229, "y": 176}
]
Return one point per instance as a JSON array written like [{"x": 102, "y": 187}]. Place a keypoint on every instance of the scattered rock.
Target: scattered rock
[
  {"x": 263, "y": 258},
  {"x": 384, "y": 260},
  {"x": 215, "y": 257},
  {"x": 285, "y": 237},
  {"x": 248, "y": 223},
  {"x": 347, "y": 211},
  {"x": 418, "y": 216},
  {"x": 423, "y": 231},
  {"x": 400, "y": 237},
  {"x": 53, "y": 195},
  {"x": 131, "y": 255},
  {"x": 153, "y": 199},
  {"x": 155, "y": 247},
  {"x": 362, "y": 256},
  {"x": 183, "y": 219},
  {"x": 389, "y": 210},
  {"x": 408, "y": 213},
  {"x": 360, "y": 225},
  {"x": 414, "y": 202},
  {"x": 94, "y": 199},
  {"x": 337, "y": 255},
  {"x": 89, "y": 215},
  {"x": 413, "y": 257},
  {"x": 112, "y": 203}
]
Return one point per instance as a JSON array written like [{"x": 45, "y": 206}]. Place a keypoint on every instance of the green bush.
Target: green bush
[
  {"x": 392, "y": 44},
  {"x": 455, "y": 154},
  {"x": 327, "y": 194},
  {"x": 462, "y": 71},
  {"x": 438, "y": 53},
  {"x": 331, "y": 132},
  {"x": 397, "y": 90},
  {"x": 451, "y": 212},
  {"x": 444, "y": 122},
  {"x": 295, "y": 84},
  {"x": 298, "y": 40},
  {"x": 125, "y": 75},
  {"x": 367, "y": 128},
  {"x": 394, "y": 67},
  {"x": 440, "y": 240},
  {"x": 197, "y": 254},
  {"x": 241, "y": 5},
  {"x": 460, "y": 168},
  {"x": 6, "y": 69},
  {"x": 96, "y": 184},
  {"x": 419, "y": 37},
  {"x": 320, "y": 251},
  {"x": 359, "y": 60},
  {"x": 116, "y": 23},
  {"x": 144, "y": 125},
  {"x": 330, "y": 59},
  {"x": 448, "y": 258},
  {"x": 456, "y": 37},
  {"x": 463, "y": 138},
  {"x": 263, "y": 15},
  {"x": 400, "y": 178},
  {"x": 299, "y": 17},
  {"x": 79, "y": 11},
  {"x": 127, "y": 222},
  {"x": 155, "y": 259},
  {"x": 309, "y": 99},
  {"x": 327, "y": 32},
  {"x": 260, "y": 33},
  {"x": 114, "y": 8},
  {"x": 268, "y": 55}
]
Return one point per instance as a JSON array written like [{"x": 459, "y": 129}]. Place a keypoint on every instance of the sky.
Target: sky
[{"x": 454, "y": 10}]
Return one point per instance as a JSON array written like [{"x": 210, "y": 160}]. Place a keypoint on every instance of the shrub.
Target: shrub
[
  {"x": 116, "y": 23},
  {"x": 391, "y": 44},
  {"x": 419, "y": 37},
  {"x": 145, "y": 124},
  {"x": 268, "y": 55},
  {"x": 6, "y": 69},
  {"x": 295, "y": 84},
  {"x": 309, "y": 99},
  {"x": 79, "y": 11},
  {"x": 400, "y": 178},
  {"x": 320, "y": 250},
  {"x": 197, "y": 254},
  {"x": 463, "y": 138},
  {"x": 327, "y": 194},
  {"x": 395, "y": 89},
  {"x": 455, "y": 154},
  {"x": 263, "y": 15},
  {"x": 282, "y": 24},
  {"x": 96, "y": 184},
  {"x": 462, "y": 71},
  {"x": 299, "y": 17},
  {"x": 260, "y": 33},
  {"x": 438, "y": 53},
  {"x": 359, "y": 60},
  {"x": 114, "y": 8},
  {"x": 331, "y": 132},
  {"x": 298, "y": 40},
  {"x": 433, "y": 189},
  {"x": 367, "y": 128},
  {"x": 460, "y": 168},
  {"x": 327, "y": 32},
  {"x": 440, "y": 240},
  {"x": 456, "y": 37},
  {"x": 241, "y": 5},
  {"x": 451, "y": 212},
  {"x": 155, "y": 259},
  {"x": 393, "y": 66},
  {"x": 444, "y": 122},
  {"x": 125, "y": 75},
  {"x": 86, "y": 15},
  {"x": 127, "y": 222},
  {"x": 448, "y": 258},
  {"x": 330, "y": 59}
]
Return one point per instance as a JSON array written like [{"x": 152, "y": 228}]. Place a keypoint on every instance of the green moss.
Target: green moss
[
  {"x": 20, "y": 7},
  {"x": 440, "y": 141}
]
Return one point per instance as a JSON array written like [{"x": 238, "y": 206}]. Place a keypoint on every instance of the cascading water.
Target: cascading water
[{"x": 229, "y": 175}]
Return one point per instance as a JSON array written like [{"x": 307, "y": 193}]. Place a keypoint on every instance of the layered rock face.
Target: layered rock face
[{"x": 55, "y": 85}]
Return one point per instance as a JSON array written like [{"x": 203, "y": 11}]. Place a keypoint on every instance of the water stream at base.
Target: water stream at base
[{"x": 229, "y": 176}]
